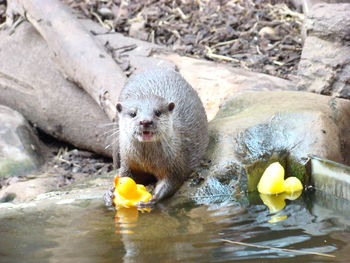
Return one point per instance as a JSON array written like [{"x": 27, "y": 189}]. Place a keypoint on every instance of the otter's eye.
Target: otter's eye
[
  {"x": 157, "y": 113},
  {"x": 132, "y": 114}
]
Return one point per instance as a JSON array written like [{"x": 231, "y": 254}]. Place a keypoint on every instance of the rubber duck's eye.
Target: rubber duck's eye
[
  {"x": 132, "y": 114},
  {"x": 157, "y": 113}
]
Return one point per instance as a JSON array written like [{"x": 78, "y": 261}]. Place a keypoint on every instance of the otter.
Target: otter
[{"x": 163, "y": 130}]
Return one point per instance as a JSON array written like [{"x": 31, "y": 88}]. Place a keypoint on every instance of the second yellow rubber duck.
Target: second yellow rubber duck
[
  {"x": 128, "y": 194},
  {"x": 272, "y": 181}
]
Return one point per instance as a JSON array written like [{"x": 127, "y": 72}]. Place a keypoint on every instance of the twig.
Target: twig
[
  {"x": 278, "y": 63},
  {"x": 2, "y": 25},
  {"x": 126, "y": 48},
  {"x": 277, "y": 248},
  {"x": 210, "y": 54},
  {"x": 225, "y": 43},
  {"x": 100, "y": 20},
  {"x": 183, "y": 16},
  {"x": 258, "y": 50},
  {"x": 67, "y": 162}
]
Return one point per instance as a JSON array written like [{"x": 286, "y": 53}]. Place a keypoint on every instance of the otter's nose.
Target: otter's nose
[{"x": 146, "y": 123}]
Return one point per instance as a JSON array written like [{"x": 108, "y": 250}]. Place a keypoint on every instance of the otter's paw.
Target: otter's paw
[
  {"x": 149, "y": 204},
  {"x": 108, "y": 197}
]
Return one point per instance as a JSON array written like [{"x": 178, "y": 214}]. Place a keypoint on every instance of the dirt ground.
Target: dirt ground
[{"x": 262, "y": 35}]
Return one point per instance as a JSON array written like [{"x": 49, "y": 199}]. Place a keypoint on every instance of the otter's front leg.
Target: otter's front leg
[
  {"x": 164, "y": 188},
  {"x": 108, "y": 196},
  {"x": 124, "y": 171}
]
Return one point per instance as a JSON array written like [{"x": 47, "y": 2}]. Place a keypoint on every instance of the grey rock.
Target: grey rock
[
  {"x": 25, "y": 191},
  {"x": 306, "y": 5},
  {"x": 20, "y": 149},
  {"x": 105, "y": 12},
  {"x": 329, "y": 21},
  {"x": 137, "y": 30},
  {"x": 325, "y": 61},
  {"x": 268, "y": 33},
  {"x": 325, "y": 67}
]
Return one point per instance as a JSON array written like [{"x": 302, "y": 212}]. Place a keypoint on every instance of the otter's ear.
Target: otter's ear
[
  {"x": 119, "y": 107},
  {"x": 171, "y": 106}
]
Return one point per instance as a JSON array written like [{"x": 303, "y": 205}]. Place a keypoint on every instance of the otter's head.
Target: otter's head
[{"x": 145, "y": 119}]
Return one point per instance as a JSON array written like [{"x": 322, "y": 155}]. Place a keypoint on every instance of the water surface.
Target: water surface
[{"x": 85, "y": 231}]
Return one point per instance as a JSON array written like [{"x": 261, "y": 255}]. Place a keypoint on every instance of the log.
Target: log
[
  {"x": 31, "y": 84},
  {"x": 80, "y": 58}
]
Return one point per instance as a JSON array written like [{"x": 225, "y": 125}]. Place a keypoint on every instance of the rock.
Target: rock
[
  {"x": 28, "y": 190},
  {"x": 325, "y": 74},
  {"x": 306, "y": 5},
  {"x": 105, "y": 12},
  {"x": 329, "y": 21},
  {"x": 268, "y": 33},
  {"x": 254, "y": 129},
  {"x": 20, "y": 150},
  {"x": 215, "y": 82},
  {"x": 325, "y": 61},
  {"x": 137, "y": 30}
]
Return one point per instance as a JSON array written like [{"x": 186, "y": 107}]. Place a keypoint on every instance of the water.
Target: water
[{"x": 86, "y": 231}]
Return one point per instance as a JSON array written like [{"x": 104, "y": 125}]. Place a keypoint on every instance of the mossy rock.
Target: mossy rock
[{"x": 12, "y": 167}]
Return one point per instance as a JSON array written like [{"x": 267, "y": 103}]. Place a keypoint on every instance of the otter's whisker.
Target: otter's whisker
[
  {"x": 110, "y": 131},
  {"x": 111, "y": 144},
  {"x": 106, "y": 124},
  {"x": 114, "y": 133}
]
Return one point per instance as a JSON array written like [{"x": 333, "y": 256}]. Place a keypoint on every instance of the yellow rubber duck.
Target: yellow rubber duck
[
  {"x": 276, "y": 203},
  {"x": 128, "y": 194},
  {"x": 126, "y": 219},
  {"x": 292, "y": 185},
  {"x": 272, "y": 181}
]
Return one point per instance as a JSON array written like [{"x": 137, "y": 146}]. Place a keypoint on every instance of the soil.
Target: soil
[
  {"x": 261, "y": 35},
  {"x": 75, "y": 164}
]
